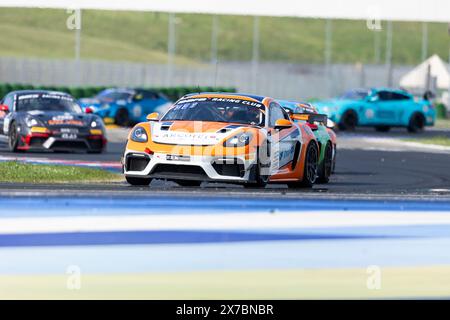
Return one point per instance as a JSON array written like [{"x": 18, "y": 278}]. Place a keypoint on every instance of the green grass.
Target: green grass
[
  {"x": 142, "y": 37},
  {"x": 438, "y": 140},
  {"x": 12, "y": 171},
  {"x": 442, "y": 124}
]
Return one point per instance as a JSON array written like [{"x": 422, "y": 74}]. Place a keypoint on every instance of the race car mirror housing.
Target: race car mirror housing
[
  {"x": 153, "y": 116},
  {"x": 373, "y": 98},
  {"x": 281, "y": 124},
  {"x": 4, "y": 107},
  {"x": 330, "y": 124}
]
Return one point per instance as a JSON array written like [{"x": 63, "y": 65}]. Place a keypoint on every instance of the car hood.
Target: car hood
[
  {"x": 58, "y": 117},
  {"x": 193, "y": 132},
  {"x": 97, "y": 102},
  {"x": 327, "y": 106}
]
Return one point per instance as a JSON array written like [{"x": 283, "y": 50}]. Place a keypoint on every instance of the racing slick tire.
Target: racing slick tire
[
  {"x": 259, "y": 177},
  {"x": 13, "y": 138},
  {"x": 138, "y": 181},
  {"x": 416, "y": 123},
  {"x": 188, "y": 183},
  {"x": 326, "y": 168},
  {"x": 382, "y": 128},
  {"x": 349, "y": 121},
  {"x": 310, "y": 168},
  {"x": 333, "y": 170},
  {"x": 122, "y": 118}
]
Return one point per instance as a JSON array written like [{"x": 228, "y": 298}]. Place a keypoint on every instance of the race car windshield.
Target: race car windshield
[
  {"x": 115, "y": 95},
  {"x": 217, "y": 110},
  {"x": 355, "y": 95},
  {"x": 47, "y": 103}
]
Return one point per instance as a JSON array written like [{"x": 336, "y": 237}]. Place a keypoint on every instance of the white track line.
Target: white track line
[{"x": 243, "y": 221}]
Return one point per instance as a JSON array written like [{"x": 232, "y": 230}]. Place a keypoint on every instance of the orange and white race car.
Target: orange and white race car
[{"x": 222, "y": 137}]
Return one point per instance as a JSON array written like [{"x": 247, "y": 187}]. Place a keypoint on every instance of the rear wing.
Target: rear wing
[{"x": 310, "y": 117}]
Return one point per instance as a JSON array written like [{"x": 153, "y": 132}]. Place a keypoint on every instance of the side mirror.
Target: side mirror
[
  {"x": 281, "y": 124},
  {"x": 153, "y": 116},
  {"x": 372, "y": 99},
  {"x": 88, "y": 110},
  {"x": 4, "y": 108},
  {"x": 330, "y": 124}
]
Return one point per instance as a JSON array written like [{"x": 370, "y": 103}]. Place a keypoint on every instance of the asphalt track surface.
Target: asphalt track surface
[
  {"x": 364, "y": 173},
  {"x": 384, "y": 209}
]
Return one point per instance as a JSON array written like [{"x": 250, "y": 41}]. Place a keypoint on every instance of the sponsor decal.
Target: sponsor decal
[
  {"x": 286, "y": 154},
  {"x": 162, "y": 134},
  {"x": 187, "y": 135},
  {"x": 58, "y": 97},
  {"x": 68, "y": 122},
  {"x": 28, "y": 96},
  {"x": 229, "y": 100},
  {"x": 45, "y": 96},
  {"x": 370, "y": 114},
  {"x": 191, "y": 100},
  {"x": 173, "y": 157},
  {"x": 137, "y": 111},
  {"x": 65, "y": 116}
]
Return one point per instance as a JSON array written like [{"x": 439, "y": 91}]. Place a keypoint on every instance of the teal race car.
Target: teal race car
[
  {"x": 381, "y": 108},
  {"x": 125, "y": 106},
  {"x": 326, "y": 138}
]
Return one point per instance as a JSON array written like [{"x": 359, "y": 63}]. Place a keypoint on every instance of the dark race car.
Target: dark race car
[{"x": 49, "y": 120}]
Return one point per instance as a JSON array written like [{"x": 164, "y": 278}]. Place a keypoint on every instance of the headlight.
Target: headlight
[
  {"x": 139, "y": 135},
  {"x": 32, "y": 122},
  {"x": 239, "y": 140},
  {"x": 94, "y": 124}
]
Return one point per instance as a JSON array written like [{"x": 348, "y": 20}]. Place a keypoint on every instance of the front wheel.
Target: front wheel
[
  {"x": 416, "y": 123},
  {"x": 122, "y": 118},
  {"x": 138, "y": 181},
  {"x": 349, "y": 121},
  {"x": 13, "y": 140},
  {"x": 310, "y": 168},
  {"x": 260, "y": 172}
]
